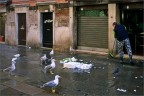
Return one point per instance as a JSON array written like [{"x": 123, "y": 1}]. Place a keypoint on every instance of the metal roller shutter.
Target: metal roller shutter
[{"x": 93, "y": 31}]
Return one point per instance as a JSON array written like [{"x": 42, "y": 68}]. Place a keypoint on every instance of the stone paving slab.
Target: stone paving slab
[
  {"x": 20, "y": 78},
  {"x": 22, "y": 87},
  {"x": 2, "y": 87},
  {"x": 12, "y": 92}
]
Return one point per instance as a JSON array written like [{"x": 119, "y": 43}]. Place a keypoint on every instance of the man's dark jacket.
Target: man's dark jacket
[{"x": 120, "y": 32}]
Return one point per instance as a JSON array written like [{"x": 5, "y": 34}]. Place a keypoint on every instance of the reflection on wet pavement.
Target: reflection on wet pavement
[{"x": 99, "y": 80}]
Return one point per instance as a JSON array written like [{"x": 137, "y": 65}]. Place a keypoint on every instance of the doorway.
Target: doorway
[
  {"x": 21, "y": 29},
  {"x": 2, "y": 26},
  {"x": 47, "y": 29},
  {"x": 133, "y": 20}
]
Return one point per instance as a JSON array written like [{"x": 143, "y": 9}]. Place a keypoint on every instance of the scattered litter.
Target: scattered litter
[
  {"x": 77, "y": 65},
  {"x": 88, "y": 72},
  {"x": 134, "y": 90},
  {"x": 73, "y": 59},
  {"x": 136, "y": 77},
  {"x": 109, "y": 64},
  {"x": 121, "y": 90},
  {"x": 81, "y": 60},
  {"x": 141, "y": 76},
  {"x": 113, "y": 77},
  {"x": 137, "y": 86},
  {"x": 103, "y": 68},
  {"x": 116, "y": 71}
]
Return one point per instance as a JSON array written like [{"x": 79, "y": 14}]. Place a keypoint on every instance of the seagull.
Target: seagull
[
  {"x": 50, "y": 67},
  {"x": 72, "y": 50},
  {"x": 116, "y": 71},
  {"x": 52, "y": 52},
  {"x": 13, "y": 59},
  {"x": 43, "y": 59},
  {"x": 52, "y": 84},
  {"x": 11, "y": 68}
]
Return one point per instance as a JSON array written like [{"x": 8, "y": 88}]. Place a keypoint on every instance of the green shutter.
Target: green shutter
[{"x": 93, "y": 30}]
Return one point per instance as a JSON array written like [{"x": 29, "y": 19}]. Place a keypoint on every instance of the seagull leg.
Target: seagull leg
[
  {"x": 10, "y": 73},
  {"x": 45, "y": 62},
  {"x": 53, "y": 90},
  {"x": 44, "y": 70},
  {"x": 40, "y": 62},
  {"x": 51, "y": 71}
]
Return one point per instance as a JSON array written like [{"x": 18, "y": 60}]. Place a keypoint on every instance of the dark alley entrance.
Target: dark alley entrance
[{"x": 133, "y": 20}]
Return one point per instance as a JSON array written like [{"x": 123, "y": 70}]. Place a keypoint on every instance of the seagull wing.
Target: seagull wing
[
  {"x": 47, "y": 67},
  {"x": 50, "y": 84},
  {"x": 11, "y": 68}
]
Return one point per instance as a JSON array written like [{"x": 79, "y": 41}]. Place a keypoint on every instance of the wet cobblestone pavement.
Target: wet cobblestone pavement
[{"x": 98, "y": 82}]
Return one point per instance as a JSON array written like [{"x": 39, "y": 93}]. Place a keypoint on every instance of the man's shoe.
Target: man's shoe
[{"x": 131, "y": 63}]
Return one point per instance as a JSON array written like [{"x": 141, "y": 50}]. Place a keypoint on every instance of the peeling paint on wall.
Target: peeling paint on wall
[
  {"x": 33, "y": 33},
  {"x": 62, "y": 17},
  {"x": 62, "y": 34},
  {"x": 10, "y": 30}
]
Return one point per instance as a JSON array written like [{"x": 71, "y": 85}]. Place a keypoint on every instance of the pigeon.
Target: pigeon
[
  {"x": 11, "y": 68},
  {"x": 116, "y": 71},
  {"x": 72, "y": 50},
  {"x": 50, "y": 67},
  {"x": 52, "y": 84},
  {"x": 52, "y": 52},
  {"x": 43, "y": 59}
]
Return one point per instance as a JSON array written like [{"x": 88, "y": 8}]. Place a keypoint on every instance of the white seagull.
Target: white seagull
[
  {"x": 43, "y": 59},
  {"x": 52, "y": 52},
  {"x": 52, "y": 84},
  {"x": 11, "y": 68},
  {"x": 50, "y": 67},
  {"x": 13, "y": 59}
]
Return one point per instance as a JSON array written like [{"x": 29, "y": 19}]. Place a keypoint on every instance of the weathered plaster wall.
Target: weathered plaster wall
[
  {"x": 10, "y": 29},
  {"x": 113, "y": 12},
  {"x": 62, "y": 33},
  {"x": 33, "y": 35}
]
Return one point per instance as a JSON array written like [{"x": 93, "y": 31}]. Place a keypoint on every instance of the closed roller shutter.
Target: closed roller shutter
[{"x": 93, "y": 29}]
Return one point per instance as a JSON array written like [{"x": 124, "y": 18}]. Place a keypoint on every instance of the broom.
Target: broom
[{"x": 111, "y": 53}]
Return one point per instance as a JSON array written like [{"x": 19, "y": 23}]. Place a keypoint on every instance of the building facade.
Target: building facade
[
  {"x": 94, "y": 18},
  {"x": 83, "y": 24}
]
